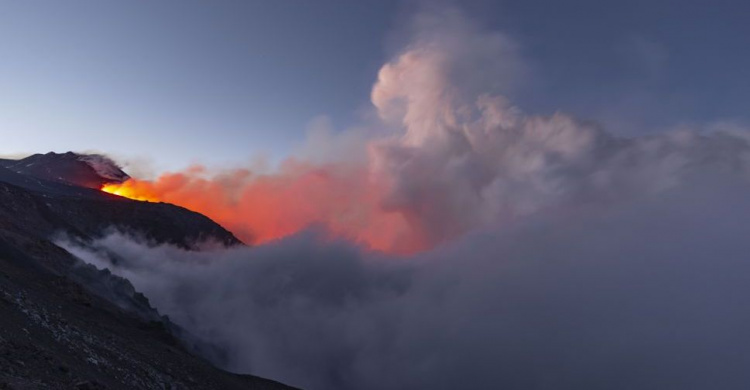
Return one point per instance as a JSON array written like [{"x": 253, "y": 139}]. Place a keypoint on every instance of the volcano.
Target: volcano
[
  {"x": 64, "y": 324},
  {"x": 83, "y": 170}
]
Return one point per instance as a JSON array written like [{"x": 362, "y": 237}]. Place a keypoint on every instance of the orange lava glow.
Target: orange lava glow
[
  {"x": 129, "y": 190},
  {"x": 263, "y": 208}
]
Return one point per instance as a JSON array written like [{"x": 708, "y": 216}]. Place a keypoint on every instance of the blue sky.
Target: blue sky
[{"x": 220, "y": 82}]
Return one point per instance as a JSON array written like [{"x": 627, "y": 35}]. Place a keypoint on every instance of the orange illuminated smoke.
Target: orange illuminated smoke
[{"x": 261, "y": 208}]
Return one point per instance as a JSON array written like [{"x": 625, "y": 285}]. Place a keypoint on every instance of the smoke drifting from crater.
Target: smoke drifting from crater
[
  {"x": 536, "y": 252},
  {"x": 461, "y": 156}
]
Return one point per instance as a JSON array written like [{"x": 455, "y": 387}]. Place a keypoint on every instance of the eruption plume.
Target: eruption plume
[{"x": 462, "y": 157}]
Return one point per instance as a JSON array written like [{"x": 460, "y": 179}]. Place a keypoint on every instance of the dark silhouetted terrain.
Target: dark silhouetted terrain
[{"x": 67, "y": 325}]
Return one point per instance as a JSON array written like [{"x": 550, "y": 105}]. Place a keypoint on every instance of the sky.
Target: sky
[
  {"x": 174, "y": 83},
  {"x": 518, "y": 194}
]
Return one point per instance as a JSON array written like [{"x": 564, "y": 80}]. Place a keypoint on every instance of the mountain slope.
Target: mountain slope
[
  {"x": 86, "y": 211},
  {"x": 90, "y": 171},
  {"x": 66, "y": 325}
]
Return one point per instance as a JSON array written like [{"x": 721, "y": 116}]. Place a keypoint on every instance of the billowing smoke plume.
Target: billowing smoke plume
[
  {"x": 463, "y": 159},
  {"x": 552, "y": 254}
]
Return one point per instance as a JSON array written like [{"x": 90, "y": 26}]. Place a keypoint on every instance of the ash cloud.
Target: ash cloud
[
  {"x": 550, "y": 253},
  {"x": 467, "y": 157}
]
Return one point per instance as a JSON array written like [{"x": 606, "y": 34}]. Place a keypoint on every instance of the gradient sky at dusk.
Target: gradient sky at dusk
[{"x": 219, "y": 82}]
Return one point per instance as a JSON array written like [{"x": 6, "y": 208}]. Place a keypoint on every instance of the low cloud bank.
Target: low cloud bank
[{"x": 649, "y": 294}]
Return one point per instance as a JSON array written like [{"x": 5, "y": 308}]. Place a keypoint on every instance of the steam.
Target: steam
[
  {"x": 461, "y": 156},
  {"x": 648, "y": 295},
  {"x": 517, "y": 251},
  {"x": 105, "y": 167}
]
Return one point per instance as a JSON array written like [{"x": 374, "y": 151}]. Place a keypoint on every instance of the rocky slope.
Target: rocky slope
[
  {"x": 91, "y": 171},
  {"x": 64, "y": 324}
]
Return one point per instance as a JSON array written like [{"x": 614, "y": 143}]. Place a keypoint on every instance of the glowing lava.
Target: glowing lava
[
  {"x": 130, "y": 190},
  {"x": 262, "y": 208}
]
